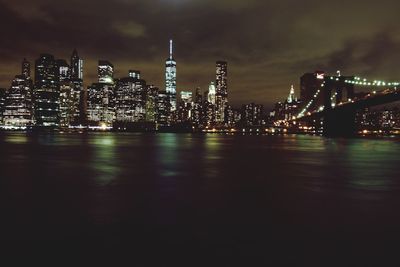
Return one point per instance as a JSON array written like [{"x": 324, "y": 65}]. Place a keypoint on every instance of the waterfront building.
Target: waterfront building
[
  {"x": 100, "y": 104},
  {"x": 130, "y": 99},
  {"x": 46, "y": 92},
  {"x": 252, "y": 115}
]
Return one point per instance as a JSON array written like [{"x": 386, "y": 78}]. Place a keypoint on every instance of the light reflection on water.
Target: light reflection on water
[
  {"x": 311, "y": 163},
  {"x": 105, "y": 158}
]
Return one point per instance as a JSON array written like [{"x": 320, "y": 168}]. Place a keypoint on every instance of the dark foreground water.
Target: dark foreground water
[{"x": 199, "y": 200}]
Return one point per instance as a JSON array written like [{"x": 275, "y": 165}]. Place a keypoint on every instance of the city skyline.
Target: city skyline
[{"x": 266, "y": 52}]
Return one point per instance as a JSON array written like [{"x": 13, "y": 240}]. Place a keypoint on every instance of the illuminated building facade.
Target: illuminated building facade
[
  {"x": 76, "y": 72},
  {"x": 26, "y": 68},
  {"x": 287, "y": 110},
  {"x": 252, "y": 115},
  {"x": 2, "y": 100},
  {"x": 100, "y": 107},
  {"x": 71, "y": 110},
  {"x": 62, "y": 71},
  {"x": 134, "y": 74},
  {"x": 46, "y": 92},
  {"x": 186, "y": 97},
  {"x": 222, "y": 90},
  {"x": 170, "y": 78},
  {"x": 79, "y": 92},
  {"x": 18, "y": 106},
  {"x": 163, "y": 109},
  {"x": 197, "y": 111},
  {"x": 151, "y": 103},
  {"x": 130, "y": 99},
  {"x": 185, "y": 107},
  {"x": 212, "y": 94},
  {"x": 105, "y": 72}
]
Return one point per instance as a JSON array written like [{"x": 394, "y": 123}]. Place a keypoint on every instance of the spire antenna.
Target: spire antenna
[{"x": 170, "y": 48}]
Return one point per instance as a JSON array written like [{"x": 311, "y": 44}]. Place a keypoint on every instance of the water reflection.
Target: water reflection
[
  {"x": 104, "y": 159},
  {"x": 17, "y": 138},
  {"x": 167, "y": 154},
  {"x": 371, "y": 163}
]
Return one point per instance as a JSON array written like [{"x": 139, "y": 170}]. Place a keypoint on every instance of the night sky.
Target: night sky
[{"x": 268, "y": 44}]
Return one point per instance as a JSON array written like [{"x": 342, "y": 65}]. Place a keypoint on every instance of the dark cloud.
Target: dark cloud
[{"x": 268, "y": 44}]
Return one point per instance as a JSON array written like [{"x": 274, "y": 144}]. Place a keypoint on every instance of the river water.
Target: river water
[{"x": 199, "y": 200}]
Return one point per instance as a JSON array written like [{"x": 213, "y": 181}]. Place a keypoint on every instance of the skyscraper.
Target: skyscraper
[
  {"x": 222, "y": 89},
  {"x": 151, "y": 103},
  {"x": 79, "y": 92},
  {"x": 163, "y": 109},
  {"x": 18, "y": 100},
  {"x": 170, "y": 77},
  {"x": 2, "y": 100},
  {"x": 212, "y": 93},
  {"x": 130, "y": 100},
  {"x": 106, "y": 72},
  {"x": 76, "y": 66},
  {"x": 63, "y": 70},
  {"x": 26, "y": 68},
  {"x": 134, "y": 74},
  {"x": 292, "y": 96},
  {"x": 46, "y": 92}
]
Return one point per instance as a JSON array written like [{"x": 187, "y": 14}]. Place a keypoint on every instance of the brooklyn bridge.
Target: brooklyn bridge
[{"x": 334, "y": 103}]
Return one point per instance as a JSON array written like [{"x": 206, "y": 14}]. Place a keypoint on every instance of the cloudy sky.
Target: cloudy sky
[{"x": 269, "y": 44}]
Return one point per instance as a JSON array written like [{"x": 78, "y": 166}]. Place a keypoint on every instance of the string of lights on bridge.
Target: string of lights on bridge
[
  {"x": 356, "y": 81},
  {"x": 365, "y": 82}
]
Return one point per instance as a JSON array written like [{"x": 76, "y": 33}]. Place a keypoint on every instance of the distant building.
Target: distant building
[
  {"x": 222, "y": 90},
  {"x": 151, "y": 103},
  {"x": 46, "y": 92},
  {"x": 105, "y": 72},
  {"x": 163, "y": 109},
  {"x": 2, "y": 99},
  {"x": 17, "y": 101},
  {"x": 252, "y": 115},
  {"x": 100, "y": 104},
  {"x": 134, "y": 74},
  {"x": 197, "y": 110},
  {"x": 185, "y": 107},
  {"x": 170, "y": 78},
  {"x": 76, "y": 72},
  {"x": 212, "y": 91},
  {"x": 287, "y": 110},
  {"x": 63, "y": 71},
  {"x": 18, "y": 107},
  {"x": 71, "y": 100},
  {"x": 130, "y": 99},
  {"x": 186, "y": 97},
  {"x": 229, "y": 116},
  {"x": 26, "y": 68}
]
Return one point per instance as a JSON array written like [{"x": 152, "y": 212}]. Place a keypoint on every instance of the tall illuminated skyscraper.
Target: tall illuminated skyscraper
[
  {"x": 46, "y": 92},
  {"x": 170, "y": 77},
  {"x": 18, "y": 100},
  {"x": 211, "y": 93},
  {"x": 222, "y": 90}
]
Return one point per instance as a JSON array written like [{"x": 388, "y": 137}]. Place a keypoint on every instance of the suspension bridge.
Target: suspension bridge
[{"x": 335, "y": 104}]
